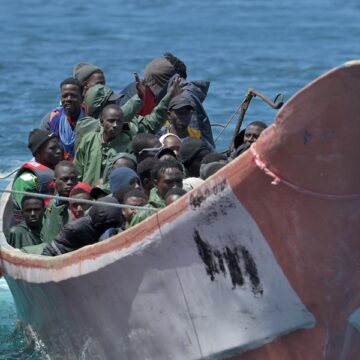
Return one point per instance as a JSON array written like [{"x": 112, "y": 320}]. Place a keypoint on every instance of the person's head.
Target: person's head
[
  {"x": 145, "y": 145},
  {"x": 253, "y": 131},
  {"x": 171, "y": 141},
  {"x": 97, "y": 97},
  {"x": 214, "y": 157},
  {"x": 192, "y": 151},
  {"x": 180, "y": 112},
  {"x": 191, "y": 183},
  {"x": 112, "y": 120},
  {"x": 123, "y": 176},
  {"x": 66, "y": 177},
  {"x": 33, "y": 210},
  {"x": 179, "y": 66},
  {"x": 173, "y": 194},
  {"x": 124, "y": 160},
  {"x": 206, "y": 170},
  {"x": 165, "y": 153},
  {"x": 71, "y": 93},
  {"x": 157, "y": 74},
  {"x": 105, "y": 217},
  {"x": 81, "y": 191},
  {"x": 166, "y": 175},
  {"x": 134, "y": 198},
  {"x": 45, "y": 147},
  {"x": 89, "y": 75},
  {"x": 143, "y": 169}
]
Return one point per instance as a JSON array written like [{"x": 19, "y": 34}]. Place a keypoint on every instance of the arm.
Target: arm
[
  {"x": 154, "y": 121},
  {"x": 79, "y": 159},
  {"x": 44, "y": 122},
  {"x": 131, "y": 108}
]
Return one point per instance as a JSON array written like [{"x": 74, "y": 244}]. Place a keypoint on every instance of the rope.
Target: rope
[
  {"x": 227, "y": 123},
  {"x": 277, "y": 179},
  {"x": 81, "y": 201},
  {"x": 9, "y": 174}
]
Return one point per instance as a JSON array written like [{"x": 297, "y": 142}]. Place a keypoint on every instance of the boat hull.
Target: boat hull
[{"x": 258, "y": 262}]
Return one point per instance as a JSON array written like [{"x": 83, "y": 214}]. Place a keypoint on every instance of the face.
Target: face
[
  {"x": 172, "y": 177},
  {"x": 112, "y": 122},
  {"x": 33, "y": 211},
  {"x": 71, "y": 99},
  {"x": 252, "y": 133},
  {"x": 124, "y": 162},
  {"x": 65, "y": 179},
  {"x": 77, "y": 208},
  {"x": 50, "y": 153},
  {"x": 135, "y": 184},
  {"x": 128, "y": 213},
  {"x": 180, "y": 118},
  {"x": 97, "y": 78},
  {"x": 173, "y": 143}
]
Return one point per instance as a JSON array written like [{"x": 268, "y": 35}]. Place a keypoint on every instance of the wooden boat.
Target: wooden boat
[{"x": 260, "y": 262}]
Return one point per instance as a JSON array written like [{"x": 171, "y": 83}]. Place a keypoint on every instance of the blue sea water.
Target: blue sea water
[{"x": 272, "y": 46}]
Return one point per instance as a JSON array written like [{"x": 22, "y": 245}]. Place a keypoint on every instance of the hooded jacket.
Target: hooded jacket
[{"x": 86, "y": 230}]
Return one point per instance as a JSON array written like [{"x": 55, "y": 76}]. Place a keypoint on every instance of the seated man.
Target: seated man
[
  {"x": 81, "y": 191},
  {"x": 166, "y": 175},
  {"x": 58, "y": 214},
  {"x": 134, "y": 198},
  {"x": 89, "y": 75},
  {"x": 246, "y": 137},
  {"x": 192, "y": 151},
  {"x": 63, "y": 119},
  {"x": 38, "y": 175},
  {"x": 143, "y": 169},
  {"x": 171, "y": 141},
  {"x": 27, "y": 232},
  {"x": 86, "y": 230},
  {"x": 173, "y": 194}
]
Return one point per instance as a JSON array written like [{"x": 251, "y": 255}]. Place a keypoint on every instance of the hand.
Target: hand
[
  {"x": 175, "y": 89},
  {"x": 140, "y": 87}
]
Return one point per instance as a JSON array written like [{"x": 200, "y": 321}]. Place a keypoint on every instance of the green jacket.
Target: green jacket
[
  {"x": 21, "y": 235},
  {"x": 93, "y": 154},
  {"x": 92, "y": 123},
  {"x": 55, "y": 218},
  {"x": 155, "y": 201}
]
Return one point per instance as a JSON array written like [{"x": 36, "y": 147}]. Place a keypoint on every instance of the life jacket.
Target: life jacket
[{"x": 44, "y": 175}]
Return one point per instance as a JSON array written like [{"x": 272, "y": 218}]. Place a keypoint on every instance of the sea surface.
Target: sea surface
[{"x": 273, "y": 46}]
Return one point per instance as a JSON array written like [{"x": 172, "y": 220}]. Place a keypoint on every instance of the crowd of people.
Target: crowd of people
[{"x": 143, "y": 148}]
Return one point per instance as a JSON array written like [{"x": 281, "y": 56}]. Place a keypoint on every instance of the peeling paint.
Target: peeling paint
[{"x": 237, "y": 262}]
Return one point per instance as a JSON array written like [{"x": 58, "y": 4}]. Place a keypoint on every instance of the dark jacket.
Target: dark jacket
[{"x": 86, "y": 230}]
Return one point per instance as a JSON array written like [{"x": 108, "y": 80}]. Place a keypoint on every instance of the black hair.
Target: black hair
[
  {"x": 160, "y": 167},
  {"x": 29, "y": 197},
  {"x": 144, "y": 140},
  {"x": 111, "y": 106},
  {"x": 213, "y": 157},
  {"x": 134, "y": 193},
  {"x": 260, "y": 124},
  {"x": 72, "y": 81},
  {"x": 65, "y": 163},
  {"x": 175, "y": 191},
  {"x": 144, "y": 168},
  {"x": 178, "y": 65}
]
